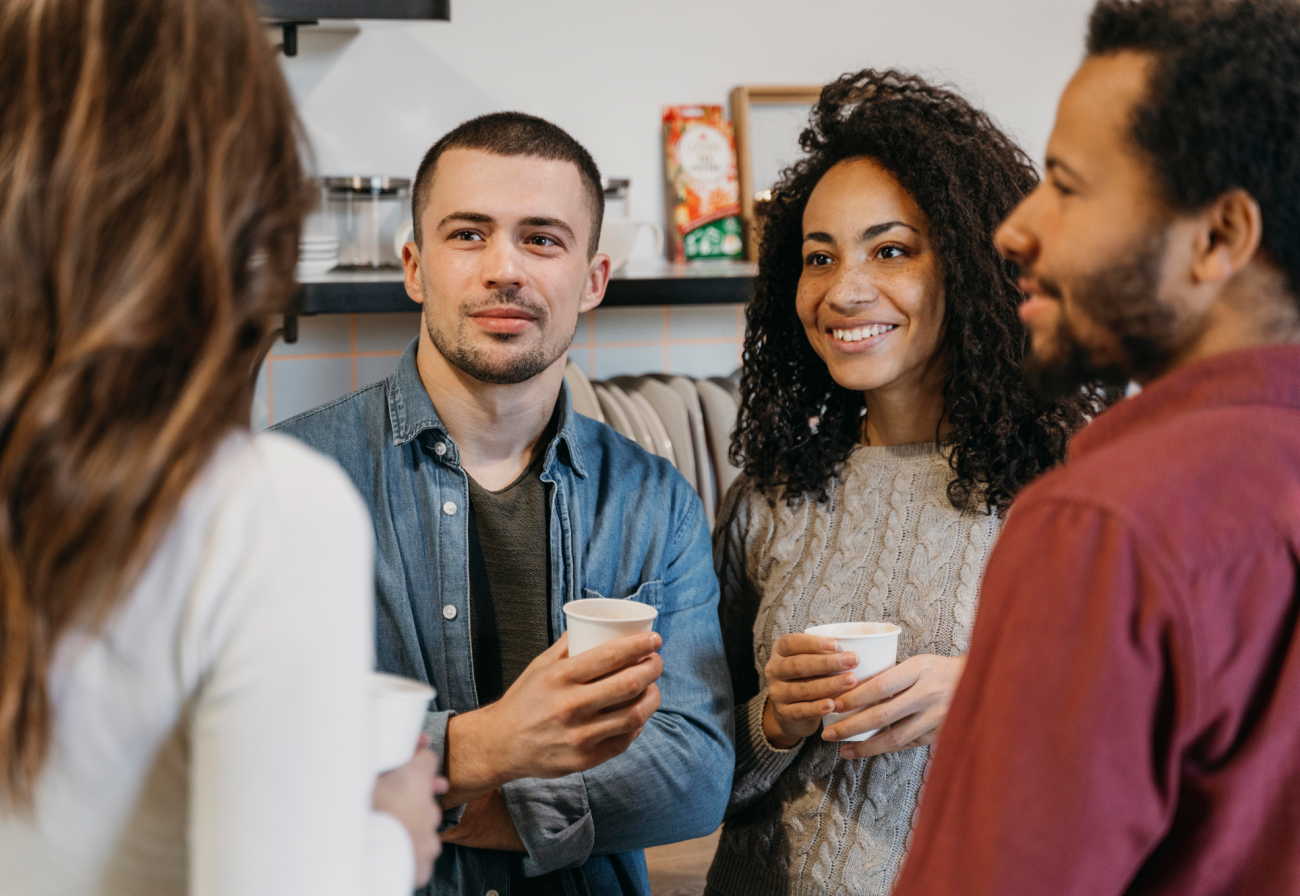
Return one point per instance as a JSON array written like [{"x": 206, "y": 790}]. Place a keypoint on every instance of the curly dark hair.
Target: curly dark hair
[
  {"x": 1222, "y": 109},
  {"x": 967, "y": 176}
]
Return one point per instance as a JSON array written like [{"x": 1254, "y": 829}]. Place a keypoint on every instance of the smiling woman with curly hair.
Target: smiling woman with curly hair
[{"x": 885, "y": 429}]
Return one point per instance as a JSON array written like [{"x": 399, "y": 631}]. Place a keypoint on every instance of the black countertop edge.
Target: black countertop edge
[{"x": 380, "y": 295}]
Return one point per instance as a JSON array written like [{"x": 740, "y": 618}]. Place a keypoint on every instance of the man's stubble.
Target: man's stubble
[
  {"x": 480, "y": 364},
  {"x": 1123, "y": 300}
]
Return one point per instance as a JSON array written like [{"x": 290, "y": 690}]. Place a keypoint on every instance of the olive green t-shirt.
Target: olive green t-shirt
[{"x": 509, "y": 569}]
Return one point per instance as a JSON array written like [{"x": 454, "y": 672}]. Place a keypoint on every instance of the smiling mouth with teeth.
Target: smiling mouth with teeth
[{"x": 861, "y": 333}]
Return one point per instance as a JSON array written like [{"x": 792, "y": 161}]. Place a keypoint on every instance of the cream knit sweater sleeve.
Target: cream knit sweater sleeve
[{"x": 758, "y": 763}]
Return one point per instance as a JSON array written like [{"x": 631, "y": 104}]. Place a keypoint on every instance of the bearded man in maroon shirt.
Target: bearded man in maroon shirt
[{"x": 1129, "y": 718}]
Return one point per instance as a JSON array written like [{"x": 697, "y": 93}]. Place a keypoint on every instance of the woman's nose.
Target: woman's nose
[{"x": 854, "y": 286}]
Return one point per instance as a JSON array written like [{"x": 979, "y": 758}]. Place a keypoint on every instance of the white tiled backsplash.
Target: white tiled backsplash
[{"x": 339, "y": 353}]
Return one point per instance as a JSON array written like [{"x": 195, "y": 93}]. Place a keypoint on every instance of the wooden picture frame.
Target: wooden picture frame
[{"x": 747, "y": 104}]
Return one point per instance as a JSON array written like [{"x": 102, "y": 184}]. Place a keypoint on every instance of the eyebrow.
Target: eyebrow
[
  {"x": 469, "y": 217},
  {"x": 870, "y": 233},
  {"x": 1054, "y": 164},
  {"x": 542, "y": 221},
  {"x": 876, "y": 230},
  {"x": 533, "y": 221}
]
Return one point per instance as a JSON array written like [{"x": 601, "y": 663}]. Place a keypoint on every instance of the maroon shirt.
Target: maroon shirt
[{"x": 1129, "y": 718}]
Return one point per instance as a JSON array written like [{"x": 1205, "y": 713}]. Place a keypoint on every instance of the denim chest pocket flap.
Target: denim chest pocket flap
[{"x": 647, "y": 593}]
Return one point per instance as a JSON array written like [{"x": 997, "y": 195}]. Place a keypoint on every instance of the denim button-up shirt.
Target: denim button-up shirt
[{"x": 623, "y": 524}]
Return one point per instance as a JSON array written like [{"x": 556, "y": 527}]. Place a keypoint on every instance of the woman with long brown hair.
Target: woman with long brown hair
[{"x": 185, "y": 609}]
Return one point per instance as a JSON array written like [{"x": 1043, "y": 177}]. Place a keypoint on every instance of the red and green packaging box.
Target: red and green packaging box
[{"x": 704, "y": 190}]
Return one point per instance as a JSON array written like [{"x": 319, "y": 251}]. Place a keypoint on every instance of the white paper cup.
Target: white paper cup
[
  {"x": 875, "y": 643},
  {"x": 398, "y": 706},
  {"x": 596, "y": 620}
]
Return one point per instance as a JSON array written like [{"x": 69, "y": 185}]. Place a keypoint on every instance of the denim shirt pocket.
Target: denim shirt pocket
[{"x": 651, "y": 593}]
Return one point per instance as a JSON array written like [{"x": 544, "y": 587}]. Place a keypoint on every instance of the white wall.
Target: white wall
[{"x": 373, "y": 102}]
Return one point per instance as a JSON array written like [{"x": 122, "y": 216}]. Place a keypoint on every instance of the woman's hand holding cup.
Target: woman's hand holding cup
[
  {"x": 913, "y": 698},
  {"x": 804, "y": 677},
  {"x": 409, "y": 793}
]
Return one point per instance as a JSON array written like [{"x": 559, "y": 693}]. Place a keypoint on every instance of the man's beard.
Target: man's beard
[
  {"x": 480, "y": 364},
  {"x": 1122, "y": 300}
]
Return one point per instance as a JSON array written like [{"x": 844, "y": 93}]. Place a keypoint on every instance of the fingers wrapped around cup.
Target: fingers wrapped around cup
[
  {"x": 908, "y": 734},
  {"x": 874, "y": 648},
  {"x": 871, "y": 719},
  {"x": 901, "y": 708},
  {"x": 810, "y": 698}
]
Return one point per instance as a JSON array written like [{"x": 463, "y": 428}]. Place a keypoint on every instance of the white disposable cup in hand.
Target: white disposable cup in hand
[
  {"x": 398, "y": 707},
  {"x": 596, "y": 620},
  {"x": 875, "y": 643}
]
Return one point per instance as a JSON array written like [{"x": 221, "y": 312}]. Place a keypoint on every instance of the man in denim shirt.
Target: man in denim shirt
[{"x": 562, "y": 769}]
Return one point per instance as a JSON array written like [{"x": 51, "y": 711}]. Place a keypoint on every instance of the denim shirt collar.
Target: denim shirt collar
[{"x": 411, "y": 413}]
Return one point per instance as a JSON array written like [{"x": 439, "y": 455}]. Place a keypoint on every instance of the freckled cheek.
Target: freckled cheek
[
  {"x": 922, "y": 300},
  {"x": 806, "y": 304},
  {"x": 933, "y": 324}
]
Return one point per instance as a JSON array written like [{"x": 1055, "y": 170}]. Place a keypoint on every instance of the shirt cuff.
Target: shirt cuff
[
  {"x": 553, "y": 821},
  {"x": 757, "y": 761},
  {"x": 435, "y": 728}
]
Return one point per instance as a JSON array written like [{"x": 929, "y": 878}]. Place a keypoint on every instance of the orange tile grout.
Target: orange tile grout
[
  {"x": 577, "y": 346},
  {"x": 647, "y": 343},
  {"x": 668, "y": 332},
  {"x": 336, "y": 356},
  {"x": 590, "y": 346}
]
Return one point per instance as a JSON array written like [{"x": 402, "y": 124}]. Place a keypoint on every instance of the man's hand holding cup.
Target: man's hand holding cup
[{"x": 564, "y": 714}]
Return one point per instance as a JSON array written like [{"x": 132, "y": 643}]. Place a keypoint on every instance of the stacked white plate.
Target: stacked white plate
[{"x": 317, "y": 253}]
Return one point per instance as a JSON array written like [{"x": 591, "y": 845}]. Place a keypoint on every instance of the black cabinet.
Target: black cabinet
[{"x": 310, "y": 10}]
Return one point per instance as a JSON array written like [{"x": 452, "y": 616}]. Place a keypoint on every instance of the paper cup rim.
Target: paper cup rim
[
  {"x": 890, "y": 632},
  {"x": 384, "y": 684},
  {"x": 574, "y": 610}
]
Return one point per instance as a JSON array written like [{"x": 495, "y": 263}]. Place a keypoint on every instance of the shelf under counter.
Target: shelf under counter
[{"x": 641, "y": 282}]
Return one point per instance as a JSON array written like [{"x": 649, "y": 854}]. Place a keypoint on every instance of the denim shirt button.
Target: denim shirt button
[
  {"x": 439, "y": 448},
  {"x": 449, "y": 612},
  {"x": 449, "y": 508}
]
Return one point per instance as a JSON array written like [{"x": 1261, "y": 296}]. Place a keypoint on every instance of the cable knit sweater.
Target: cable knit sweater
[{"x": 887, "y": 546}]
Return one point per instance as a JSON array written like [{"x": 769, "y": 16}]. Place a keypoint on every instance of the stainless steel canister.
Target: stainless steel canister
[
  {"x": 368, "y": 211},
  {"x": 618, "y": 199}
]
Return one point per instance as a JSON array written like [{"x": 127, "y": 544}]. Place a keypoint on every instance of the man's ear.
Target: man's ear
[
  {"x": 1233, "y": 227},
  {"x": 411, "y": 269},
  {"x": 597, "y": 279}
]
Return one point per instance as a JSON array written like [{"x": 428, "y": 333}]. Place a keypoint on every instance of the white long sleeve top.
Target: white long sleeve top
[{"x": 213, "y": 737}]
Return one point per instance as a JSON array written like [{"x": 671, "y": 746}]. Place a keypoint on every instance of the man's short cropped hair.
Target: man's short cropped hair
[
  {"x": 1222, "y": 110},
  {"x": 514, "y": 134}
]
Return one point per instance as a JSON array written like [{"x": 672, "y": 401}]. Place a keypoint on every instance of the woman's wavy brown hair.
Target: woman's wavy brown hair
[
  {"x": 151, "y": 194},
  {"x": 967, "y": 176}
]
